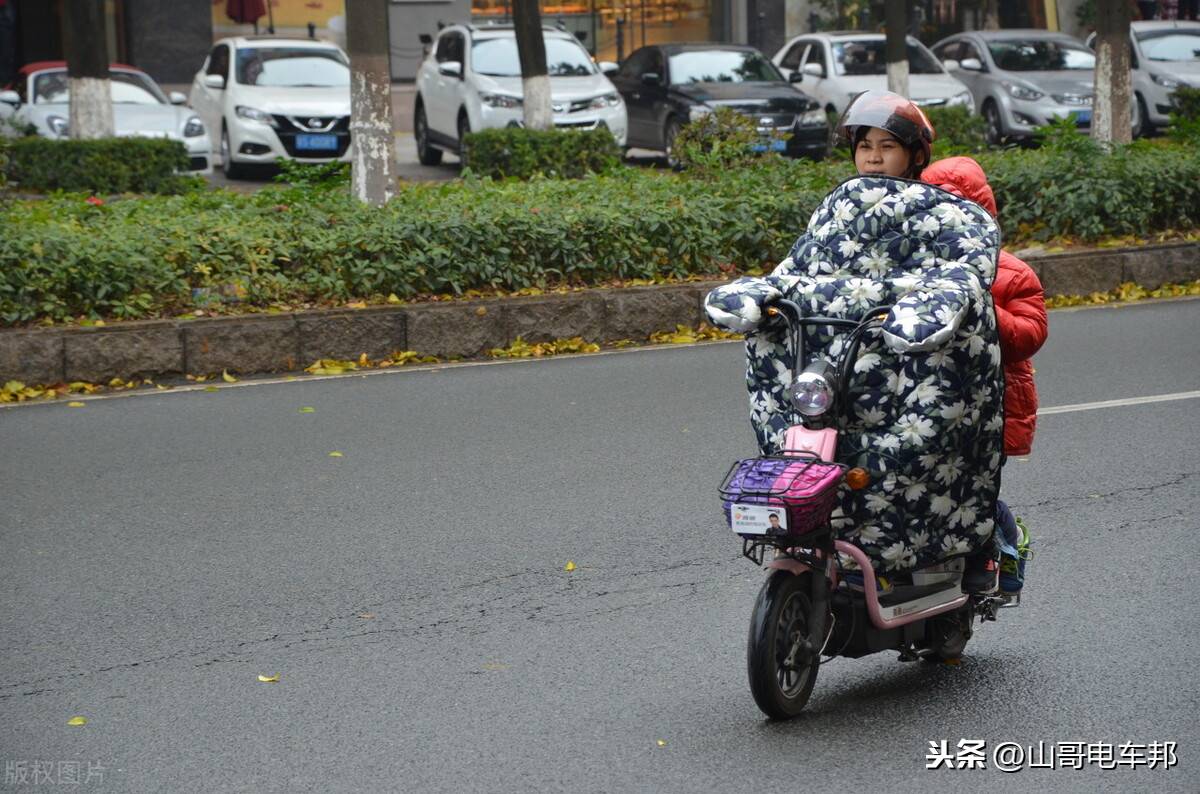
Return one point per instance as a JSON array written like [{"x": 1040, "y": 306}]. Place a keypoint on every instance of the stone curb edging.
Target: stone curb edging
[{"x": 275, "y": 343}]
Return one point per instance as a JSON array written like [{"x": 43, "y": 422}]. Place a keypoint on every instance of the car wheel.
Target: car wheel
[
  {"x": 994, "y": 131},
  {"x": 428, "y": 155},
  {"x": 232, "y": 170},
  {"x": 1142, "y": 128},
  {"x": 670, "y": 133},
  {"x": 464, "y": 129}
]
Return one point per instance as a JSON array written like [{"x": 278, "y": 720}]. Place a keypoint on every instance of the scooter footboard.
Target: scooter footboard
[{"x": 932, "y": 599}]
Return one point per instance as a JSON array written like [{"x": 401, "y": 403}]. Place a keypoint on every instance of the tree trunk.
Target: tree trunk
[
  {"x": 794, "y": 19},
  {"x": 991, "y": 15},
  {"x": 896, "y": 24},
  {"x": 85, "y": 45},
  {"x": 371, "y": 172},
  {"x": 1111, "y": 106},
  {"x": 531, "y": 46}
]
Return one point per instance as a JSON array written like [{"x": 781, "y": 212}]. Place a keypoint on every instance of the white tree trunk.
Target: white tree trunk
[
  {"x": 794, "y": 18},
  {"x": 897, "y": 77},
  {"x": 371, "y": 178},
  {"x": 537, "y": 110},
  {"x": 90, "y": 113},
  {"x": 1111, "y": 110}
]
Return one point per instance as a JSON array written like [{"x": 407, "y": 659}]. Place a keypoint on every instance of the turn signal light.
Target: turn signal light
[{"x": 858, "y": 478}]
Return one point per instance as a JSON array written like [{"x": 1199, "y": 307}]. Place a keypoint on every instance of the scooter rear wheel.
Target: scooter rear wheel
[{"x": 779, "y": 629}]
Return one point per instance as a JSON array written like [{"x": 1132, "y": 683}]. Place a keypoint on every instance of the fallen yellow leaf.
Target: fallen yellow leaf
[
  {"x": 391, "y": 298},
  {"x": 269, "y": 679},
  {"x": 570, "y": 566},
  {"x": 336, "y": 455},
  {"x": 363, "y": 361},
  {"x": 225, "y": 376},
  {"x": 74, "y": 404},
  {"x": 661, "y": 743},
  {"x": 77, "y": 721},
  {"x": 211, "y": 388},
  {"x": 308, "y": 409}
]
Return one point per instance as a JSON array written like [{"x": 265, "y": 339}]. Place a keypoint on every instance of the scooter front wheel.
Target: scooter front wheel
[{"x": 781, "y": 656}]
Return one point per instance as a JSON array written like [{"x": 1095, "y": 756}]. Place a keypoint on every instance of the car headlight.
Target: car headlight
[
  {"x": 698, "y": 112},
  {"x": 812, "y": 392},
  {"x": 606, "y": 101},
  {"x": 194, "y": 127},
  {"x": 1166, "y": 82},
  {"x": 963, "y": 100},
  {"x": 812, "y": 118},
  {"x": 57, "y": 125},
  {"x": 1023, "y": 92},
  {"x": 254, "y": 114},
  {"x": 501, "y": 100}
]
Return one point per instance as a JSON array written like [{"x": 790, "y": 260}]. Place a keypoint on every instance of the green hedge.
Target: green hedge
[
  {"x": 521, "y": 153},
  {"x": 108, "y": 165},
  {"x": 62, "y": 257}
]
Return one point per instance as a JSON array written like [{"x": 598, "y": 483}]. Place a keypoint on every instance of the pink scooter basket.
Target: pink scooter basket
[{"x": 806, "y": 488}]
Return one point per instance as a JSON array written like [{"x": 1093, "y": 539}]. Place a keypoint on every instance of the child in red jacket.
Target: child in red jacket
[{"x": 1021, "y": 317}]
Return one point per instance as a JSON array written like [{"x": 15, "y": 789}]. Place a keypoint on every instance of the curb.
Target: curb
[{"x": 466, "y": 329}]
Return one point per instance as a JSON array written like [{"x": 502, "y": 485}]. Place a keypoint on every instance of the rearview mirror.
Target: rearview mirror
[
  {"x": 177, "y": 98},
  {"x": 450, "y": 68},
  {"x": 815, "y": 69},
  {"x": 214, "y": 81},
  {"x": 951, "y": 65},
  {"x": 971, "y": 64},
  {"x": 10, "y": 97},
  {"x": 608, "y": 67}
]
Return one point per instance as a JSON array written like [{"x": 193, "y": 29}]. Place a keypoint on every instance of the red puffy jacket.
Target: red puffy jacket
[{"x": 1020, "y": 307}]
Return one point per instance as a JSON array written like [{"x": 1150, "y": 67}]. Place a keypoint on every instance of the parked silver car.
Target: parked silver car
[
  {"x": 1022, "y": 79},
  {"x": 1165, "y": 57}
]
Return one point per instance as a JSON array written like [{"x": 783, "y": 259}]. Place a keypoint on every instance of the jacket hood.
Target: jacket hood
[{"x": 962, "y": 176}]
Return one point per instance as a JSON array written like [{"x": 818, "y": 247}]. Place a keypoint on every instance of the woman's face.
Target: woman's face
[{"x": 881, "y": 154}]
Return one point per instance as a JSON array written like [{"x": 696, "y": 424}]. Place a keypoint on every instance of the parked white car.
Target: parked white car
[
  {"x": 471, "y": 81},
  {"x": 1165, "y": 57},
  {"x": 269, "y": 98},
  {"x": 40, "y": 97},
  {"x": 837, "y": 67}
]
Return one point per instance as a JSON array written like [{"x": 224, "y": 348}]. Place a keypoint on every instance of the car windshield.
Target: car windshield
[
  {"x": 1171, "y": 45},
  {"x": 721, "y": 66},
  {"x": 861, "y": 57},
  {"x": 1040, "y": 56},
  {"x": 127, "y": 88},
  {"x": 292, "y": 67},
  {"x": 498, "y": 58}
]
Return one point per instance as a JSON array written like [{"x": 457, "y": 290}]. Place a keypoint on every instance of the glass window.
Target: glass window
[
  {"x": 498, "y": 57},
  {"x": 868, "y": 57},
  {"x": 816, "y": 54},
  {"x": 451, "y": 47},
  {"x": 721, "y": 66},
  {"x": 949, "y": 52},
  {"x": 300, "y": 67},
  {"x": 969, "y": 50},
  {"x": 635, "y": 65},
  {"x": 1174, "y": 45},
  {"x": 792, "y": 59},
  {"x": 218, "y": 62},
  {"x": 1040, "y": 56},
  {"x": 128, "y": 88}
]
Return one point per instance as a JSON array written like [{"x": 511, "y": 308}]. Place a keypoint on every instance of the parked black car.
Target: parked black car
[{"x": 666, "y": 85}]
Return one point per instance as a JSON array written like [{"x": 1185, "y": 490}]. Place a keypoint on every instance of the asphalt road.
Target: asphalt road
[{"x": 158, "y": 553}]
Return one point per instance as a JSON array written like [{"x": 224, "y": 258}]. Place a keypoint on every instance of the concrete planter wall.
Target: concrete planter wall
[{"x": 277, "y": 343}]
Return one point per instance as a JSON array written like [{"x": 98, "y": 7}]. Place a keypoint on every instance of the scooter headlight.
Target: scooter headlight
[{"x": 813, "y": 391}]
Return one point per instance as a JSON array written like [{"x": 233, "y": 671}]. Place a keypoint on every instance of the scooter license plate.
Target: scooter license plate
[
  {"x": 758, "y": 519},
  {"x": 317, "y": 143}
]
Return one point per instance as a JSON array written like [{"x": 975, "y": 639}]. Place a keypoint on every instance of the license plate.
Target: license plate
[
  {"x": 770, "y": 146},
  {"x": 1082, "y": 116},
  {"x": 758, "y": 519},
  {"x": 320, "y": 143}
]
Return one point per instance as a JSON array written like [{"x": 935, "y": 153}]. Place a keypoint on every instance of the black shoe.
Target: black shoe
[{"x": 982, "y": 568}]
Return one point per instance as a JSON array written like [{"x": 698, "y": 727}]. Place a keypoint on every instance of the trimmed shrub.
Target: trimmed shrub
[
  {"x": 721, "y": 140},
  {"x": 959, "y": 131},
  {"x": 1185, "y": 116},
  {"x": 109, "y": 165},
  {"x": 521, "y": 153}
]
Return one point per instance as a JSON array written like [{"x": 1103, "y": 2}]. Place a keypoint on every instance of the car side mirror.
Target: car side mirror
[
  {"x": 177, "y": 98},
  {"x": 971, "y": 64},
  {"x": 796, "y": 77},
  {"x": 951, "y": 65},
  {"x": 214, "y": 81},
  {"x": 450, "y": 69},
  {"x": 652, "y": 78},
  {"x": 608, "y": 67},
  {"x": 815, "y": 69},
  {"x": 10, "y": 97}
]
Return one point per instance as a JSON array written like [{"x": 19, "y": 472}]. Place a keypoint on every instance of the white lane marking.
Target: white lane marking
[{"x": 1154, "y": 398}]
